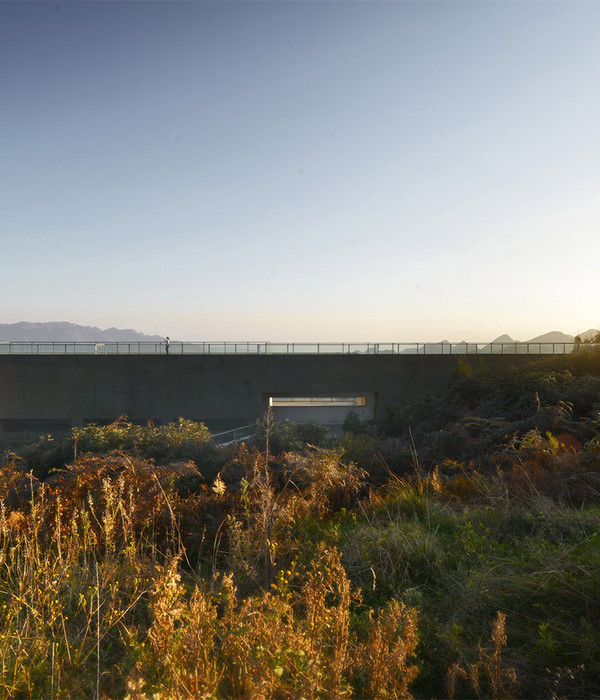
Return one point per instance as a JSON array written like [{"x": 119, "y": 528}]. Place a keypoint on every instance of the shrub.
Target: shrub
[
  {"x": 183, "y": 440},
  {"x": 280, "y": 436}
]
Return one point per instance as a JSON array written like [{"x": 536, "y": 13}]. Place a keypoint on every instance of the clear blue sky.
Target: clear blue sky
[{"x": 387, "y": 171}]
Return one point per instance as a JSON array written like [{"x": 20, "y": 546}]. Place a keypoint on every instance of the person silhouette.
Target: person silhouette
[{"x": 167, "y": 341}]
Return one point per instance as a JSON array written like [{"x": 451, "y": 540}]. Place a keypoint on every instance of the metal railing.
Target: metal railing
[
  {"x": 268, "y": 348},
  {"x": 234, "y": 435}
]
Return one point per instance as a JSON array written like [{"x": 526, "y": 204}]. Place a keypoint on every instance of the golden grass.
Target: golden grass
[{"x": 97, "y": 599}]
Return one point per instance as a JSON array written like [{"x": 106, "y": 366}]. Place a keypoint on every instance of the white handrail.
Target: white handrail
[{"x": 286, "y": 348}]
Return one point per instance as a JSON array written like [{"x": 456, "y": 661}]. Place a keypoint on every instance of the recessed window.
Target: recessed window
[{"x": 343, "y": 401}]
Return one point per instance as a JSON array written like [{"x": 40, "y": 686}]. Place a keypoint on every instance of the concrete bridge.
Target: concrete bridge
[{"x": 50, "y": 392}]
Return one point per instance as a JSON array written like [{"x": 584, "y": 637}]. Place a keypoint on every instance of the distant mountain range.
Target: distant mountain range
[
  {"x": 552, "y": 337},
  {"x": 62, "y": 331},
  {"x": 547, "y": 339},
  {"x": 58, "y": 331}
]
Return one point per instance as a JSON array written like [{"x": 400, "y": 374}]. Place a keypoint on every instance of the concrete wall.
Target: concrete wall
[{"x": 222, "y": 390}]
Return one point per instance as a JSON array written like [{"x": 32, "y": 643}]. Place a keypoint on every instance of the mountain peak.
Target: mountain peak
[
  {"x": 589, "y": 334},
  {"x": 65, "y": 331},
  {"x": 504, "y": 339},
  {"x": 552, "y": 337}
]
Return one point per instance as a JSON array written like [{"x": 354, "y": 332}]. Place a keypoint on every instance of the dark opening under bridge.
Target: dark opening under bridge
[{"x": 51, "y": 387}]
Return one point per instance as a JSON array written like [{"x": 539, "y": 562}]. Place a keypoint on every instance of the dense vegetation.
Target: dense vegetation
[{"x": 450, "y": 550}]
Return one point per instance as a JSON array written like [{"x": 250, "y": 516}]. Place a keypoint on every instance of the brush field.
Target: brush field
[{"x": 449, "y": 550}]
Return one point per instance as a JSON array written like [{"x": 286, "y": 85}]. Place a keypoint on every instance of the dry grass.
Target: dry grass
[
  {"x": 287, "y": 577},
  {"x": 98, "y": 599},
  {"x": 501, "y": 679},
  {"x": 286, "y": 643}
]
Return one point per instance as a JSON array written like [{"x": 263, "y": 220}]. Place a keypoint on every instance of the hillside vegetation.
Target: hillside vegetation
[{"x": 450, "y": 550}]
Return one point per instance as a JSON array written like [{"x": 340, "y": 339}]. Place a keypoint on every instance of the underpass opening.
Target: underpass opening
[{"x": 328, "y": 410}]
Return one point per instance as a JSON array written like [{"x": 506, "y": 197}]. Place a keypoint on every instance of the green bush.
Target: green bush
[
  {"x": 289, "y": 436},
  {"x": 179, "y": 441}
]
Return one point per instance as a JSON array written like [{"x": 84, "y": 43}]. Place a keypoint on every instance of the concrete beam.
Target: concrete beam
[{"x": 221, "y": 390}]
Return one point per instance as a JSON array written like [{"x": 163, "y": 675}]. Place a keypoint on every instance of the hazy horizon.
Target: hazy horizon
[
  {"x": 326, "y": 171},
  {"x": 430, "y": 339}
]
